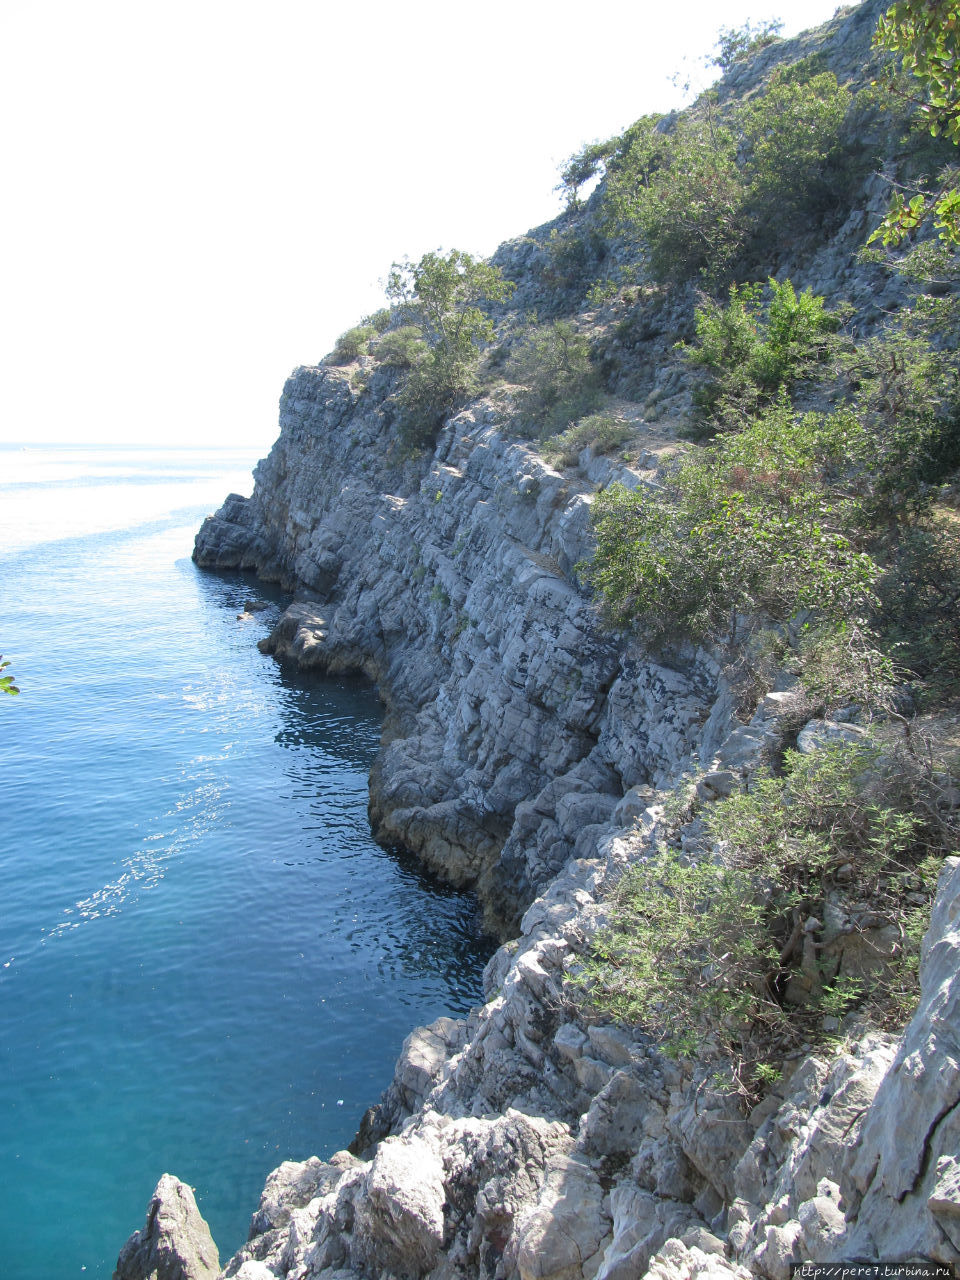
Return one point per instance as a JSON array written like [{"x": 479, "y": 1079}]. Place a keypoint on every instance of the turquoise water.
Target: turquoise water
[{"x": 206, "y": 964}]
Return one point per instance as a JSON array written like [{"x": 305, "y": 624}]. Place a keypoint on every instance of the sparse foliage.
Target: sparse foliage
[
  {"x": 736, "y": 43},
  {"x": 553, "y": 366},
  {"x": 442, "y": 294},
  {"x": 599, "y": 432},
  {"x": 925, "y": 36},
  {"x": 588, "y": 162},
  {"x": 734, "y": 955}
]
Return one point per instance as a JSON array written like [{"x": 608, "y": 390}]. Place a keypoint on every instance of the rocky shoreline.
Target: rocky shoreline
[
  {"x": 525, "y": 755},
  {"x": 530, "y": 754}
]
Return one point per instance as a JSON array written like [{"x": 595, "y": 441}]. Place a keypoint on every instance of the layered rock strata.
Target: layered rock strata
[
  {"x": 529, "y": 755},
  {"x": 515, "y": 723}
]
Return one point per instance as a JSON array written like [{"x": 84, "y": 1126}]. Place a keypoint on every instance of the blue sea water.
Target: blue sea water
[{"x": 207, "y": 966}]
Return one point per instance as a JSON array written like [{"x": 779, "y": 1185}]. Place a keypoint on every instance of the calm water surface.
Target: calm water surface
[{"x": 206, "y": 964}]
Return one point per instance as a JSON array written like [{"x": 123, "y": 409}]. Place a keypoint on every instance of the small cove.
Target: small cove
[{"x": 206, "y": 964}]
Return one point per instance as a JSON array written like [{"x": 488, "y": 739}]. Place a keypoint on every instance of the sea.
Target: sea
[{"x": 207, "y": 965}]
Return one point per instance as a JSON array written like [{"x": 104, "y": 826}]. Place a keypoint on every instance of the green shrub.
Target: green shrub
[
  {"x": 925, "y": 36},
  {"x": 756, "y": 522},
  {"x": 750, "y": 349},
  {"x": 441, "y": 295},
  {"x": 842, "y": 662},
  {"x": 681, "y": 192},
  {"x": 792, "y": 135},
  {"x": 553, "y": 363},
  {"x": 735, "y": 44},
  {"x": 599, "y": 432},
  {"x": 920, "y": 604},
  {"x": 352, "y": 344},
  {"x": 402, "y": 348},
  {"x": 729, "y": 955},
  {"x": 587, "y": 163},
  {"x": 906, "y": 389},
  {"x": 379, "y": 319},
  {"x": 573, "y": 255},
  {"x": 709, "y": 189}
]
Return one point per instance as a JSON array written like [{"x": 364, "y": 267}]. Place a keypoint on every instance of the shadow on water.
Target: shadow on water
[
  {"x": 426, "y": 926},
  {"x": 464, "y": 944}
]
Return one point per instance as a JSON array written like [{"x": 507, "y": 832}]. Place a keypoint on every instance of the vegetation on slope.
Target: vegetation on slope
[
  {"x": 818, "y": 906},
  {"x": 809, "y": 523},
  {"x": 829, "y": 525}
]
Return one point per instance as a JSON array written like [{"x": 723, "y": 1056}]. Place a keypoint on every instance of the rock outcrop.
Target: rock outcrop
[
  {"x": 547, "y": 1148},
  {"x": 175, "y": 1243}
]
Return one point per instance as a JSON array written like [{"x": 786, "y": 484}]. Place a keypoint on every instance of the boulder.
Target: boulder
[{"x": 399, "y": 1224}]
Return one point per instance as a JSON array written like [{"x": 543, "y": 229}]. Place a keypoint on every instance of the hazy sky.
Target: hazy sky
[{"x": 200, "y": 196}]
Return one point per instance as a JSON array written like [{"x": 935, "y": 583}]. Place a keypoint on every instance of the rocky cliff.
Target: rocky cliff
[
  {"x": 528, "y": 752},
  {"x": 515, "y": 723}
]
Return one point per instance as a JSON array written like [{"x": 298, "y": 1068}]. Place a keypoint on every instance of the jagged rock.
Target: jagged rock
[
  {"x": 175, "y": 1242},
  {"x": 399, "y": 1215},
  {"x": 293, "y": 1185},
  {"x": 560, "y": 1238},
  {"x": 424, "y": 1054},
  {"x": 642, "y": 1223},
  {"x": 713, "y": 1134},
  {"x": 898, "y": 1185},
  {"x": 822, "y": 1224},
  {"x": 678, "y": 1260},
  {"x": 817, "y": 734}
]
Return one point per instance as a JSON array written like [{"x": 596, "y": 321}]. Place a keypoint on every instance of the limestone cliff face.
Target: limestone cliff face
[
  {"x": 528, "y": 752},
  {"x": 515, "y": 723}
]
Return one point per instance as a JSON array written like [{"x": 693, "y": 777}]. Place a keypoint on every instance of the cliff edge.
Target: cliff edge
[{"x": 535, "y": 755}]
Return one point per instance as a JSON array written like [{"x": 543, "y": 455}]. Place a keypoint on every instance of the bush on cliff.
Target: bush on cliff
[
  {"x": 402, "y": 348},
  {"x": 759, "y": 521},
  {"x": 559, "y": 382},
  {"x": 702, "y": 191},
  {"x": 600, "y": 432},
  {"x": 736, "y": 44},
  {"x": 794, "y": 160},
  {"x": 920, "y": 604},
  {"x": 680, "y": 191},
  {"x": 352, "y": 344},
  {"x": 753, "y": 348},
  {"x": 441, "y": 295},
  {"x": 818, "y": 907}
]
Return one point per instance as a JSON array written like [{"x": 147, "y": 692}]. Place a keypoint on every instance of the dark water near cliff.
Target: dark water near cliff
[{"x": 206, "y": 964}]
